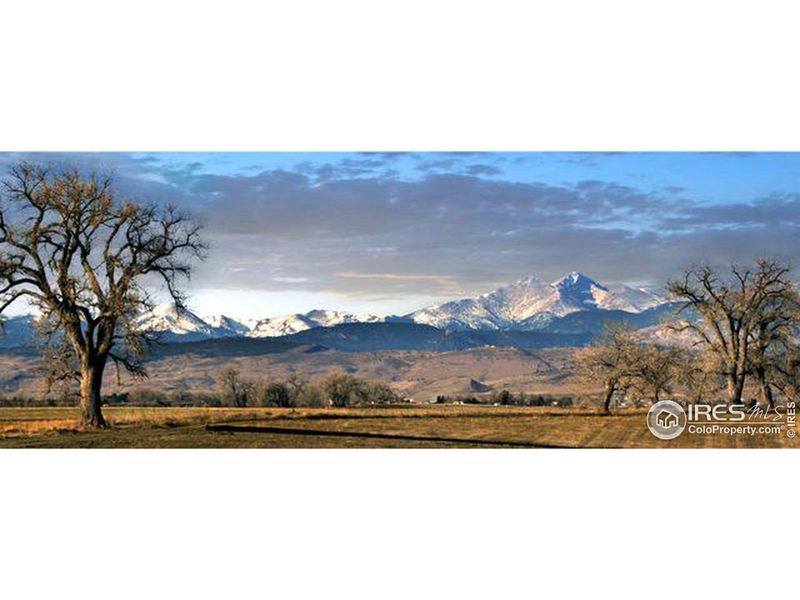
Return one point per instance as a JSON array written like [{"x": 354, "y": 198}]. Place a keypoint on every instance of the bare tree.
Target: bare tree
[
  {"x": 375, "y": 391},
  {"x": 274, "y": 393},
  {"x": 787, "y": 373},
  {"x": 342, "y": 388},
  {"x": 654, "y": 369},
  {"x": 773, "y": 339},
  {"x": 297, "y": 384},
  {"x": 699, "y": 376},
  {"x": 609, "y": 360},
  {"x": 731, "y": 310},
  {"x": 82, "y": 257},
  {"x": 233, "y": 388}
]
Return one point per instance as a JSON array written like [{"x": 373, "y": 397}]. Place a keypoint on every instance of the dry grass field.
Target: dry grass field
[{"x": 385, "y": 427}]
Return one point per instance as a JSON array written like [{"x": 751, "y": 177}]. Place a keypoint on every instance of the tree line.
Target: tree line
[{"x": 337, "y": 389}]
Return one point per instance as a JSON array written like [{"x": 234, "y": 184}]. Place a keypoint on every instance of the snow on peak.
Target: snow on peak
[
  {"x": 328, "y": 318},
  {"x": 530, "y": 303},
  {"x": 227, "y": 325},
  {"x": 575, "y": 280},
  {"x": 577, "y": 291},
  {"x": 170, "y": 316},
  {"x": 295, "y": 323},
  {"x": 277, "y": 326},
  {"x": 184, "y": 325},
  {"x": 170, "y": 319},
  {"x": 617, "y": 296}
]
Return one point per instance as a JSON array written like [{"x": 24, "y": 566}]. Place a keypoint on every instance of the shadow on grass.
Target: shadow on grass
[
  {"x": 478, "y": 415},
  {"x": 381, "y": 436}
]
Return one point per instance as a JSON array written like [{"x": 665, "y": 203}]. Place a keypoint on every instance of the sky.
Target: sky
[{"x": 391, "y": 232}]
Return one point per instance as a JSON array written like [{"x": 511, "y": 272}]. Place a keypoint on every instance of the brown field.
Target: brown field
[
  {"x": 420, "y": 375},
  {"x": 385, "y": 427}
]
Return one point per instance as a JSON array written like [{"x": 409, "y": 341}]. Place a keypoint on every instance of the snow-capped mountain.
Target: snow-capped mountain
[
  {"x": 289, "y": 324},
  {"x": 277, "y": 326},
  {"x": 227, "y": 326},
  {"x": 531, "y": 304},
  {"x": 172, "y": 323},
  {"x": 527, "y": 305},
  {"x": 618, "y": 296},
  {"x": 187, "y": 326},
  {"x": 329, "y": 318}
]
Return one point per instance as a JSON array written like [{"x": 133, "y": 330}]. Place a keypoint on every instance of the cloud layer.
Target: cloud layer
[{"x": 359, "y": 226}]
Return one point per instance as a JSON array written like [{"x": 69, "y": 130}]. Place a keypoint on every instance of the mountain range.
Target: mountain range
[
  {"x": 185, "y": 326},
  {"x": 574, "y": 304},
  {"x": 531, "y": 304}
]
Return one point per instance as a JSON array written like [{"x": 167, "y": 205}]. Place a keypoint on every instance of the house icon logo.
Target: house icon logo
[{"x": 666, "y": 419}]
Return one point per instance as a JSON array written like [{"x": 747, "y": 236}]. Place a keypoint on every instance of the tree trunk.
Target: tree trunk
[
  {"x": 610, "y": 389},
  {"x": 764, "y": 387},
  {"x": 735, "y": 386},
  {"x": 91, "y": 384}
]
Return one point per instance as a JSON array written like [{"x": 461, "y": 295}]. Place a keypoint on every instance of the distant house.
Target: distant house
[{"x": 666, "y": 419}]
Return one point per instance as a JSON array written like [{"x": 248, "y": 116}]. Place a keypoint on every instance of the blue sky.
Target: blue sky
[
  {"x": 391, "y": 232},
  {"x": 706, "y": 177}
]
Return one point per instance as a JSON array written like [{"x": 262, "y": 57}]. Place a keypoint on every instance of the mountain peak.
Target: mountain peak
[
  {"x": 575, "y": 280},
  {"x": 171, "y": 310},
  {"x": 165, "y": 309},
  {"x": 531, "y": 303},
  {"x": 226, "y": 326},
  {"x": 173, "y": 320}
]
